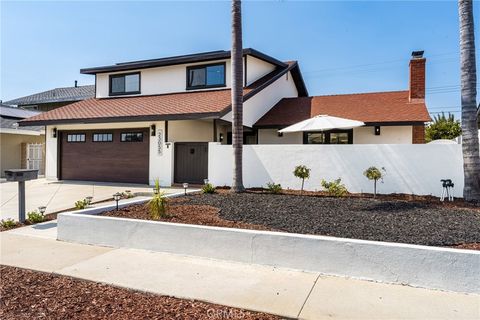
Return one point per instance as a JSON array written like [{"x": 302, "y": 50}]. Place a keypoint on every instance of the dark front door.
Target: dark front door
[
  {"x": 191, "y": 162},
  {"x": 113, "y": 155}
]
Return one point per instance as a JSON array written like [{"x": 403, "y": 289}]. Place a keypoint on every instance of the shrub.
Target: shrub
[
  {"x": 127, "y": 194},
  {"x": 158, "y": 206},
  {"x": 8, "y": 224},
  {"x": 302, "y": 172},
  {"x": 81, "y": 204},
  {"x": 208, "y": 188},
  {"x": 335, "y": 188},
  {"x": 35, "y": 217},
  {"x": 375, "y": 174},
  {"x": 274, "y": 187},
  {"x": 156, "y": 187}
]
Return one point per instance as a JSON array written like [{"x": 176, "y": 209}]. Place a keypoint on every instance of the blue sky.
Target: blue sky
[{"x": 342, "y": 47}]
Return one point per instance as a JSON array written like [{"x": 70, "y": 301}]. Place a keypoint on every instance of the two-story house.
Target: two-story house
[{"x": 154, "y": 118}]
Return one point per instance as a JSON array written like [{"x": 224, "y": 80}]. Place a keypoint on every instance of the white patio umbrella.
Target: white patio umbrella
[{"x": 323, "y": 123}]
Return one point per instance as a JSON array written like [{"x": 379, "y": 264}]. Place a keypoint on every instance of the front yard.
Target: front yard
[
  {"x": 27, "y": 294},
  {"x": 415, "y": 222}
]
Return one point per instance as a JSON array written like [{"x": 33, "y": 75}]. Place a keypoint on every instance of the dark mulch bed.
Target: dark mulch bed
[
  {"x": 29, "y": 294},
  {"x": 416, "y": 222}
]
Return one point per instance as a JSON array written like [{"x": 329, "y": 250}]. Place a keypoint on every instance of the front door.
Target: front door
[{"x": 191, "y": 162}]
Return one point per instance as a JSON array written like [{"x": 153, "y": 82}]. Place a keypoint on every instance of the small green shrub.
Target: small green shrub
[
  {"x": 335, "y": 188},
  {"x": 158, "y": 206},
  {"x": 302, "y": 172},
  {"x": 35, "y": 217},
  {"x": 156, "y": 187},
  {"x": 127, "y": 194},
  {"x": 8, "y": 224},
  {"x": 274, "y": 187},
  {"x": 375, "y": 174},
  {"x": 208, "y": 188},
  {"x": 81, "y": 204}
]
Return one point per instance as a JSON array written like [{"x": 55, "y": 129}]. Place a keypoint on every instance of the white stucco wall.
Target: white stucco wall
[
  {"x": 170, "y": 79},
  {"x": 411, "y": 169},
  {"x": 257, "y": 68},
  {"x": 388, "y": 134},
  {"x": 255, "y": 107}
]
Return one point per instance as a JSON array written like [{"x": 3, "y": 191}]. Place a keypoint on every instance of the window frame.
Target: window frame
[
  {"x": 102, "y": 133},
  {"x": 349, "y": 132},
  {"x": 205, "y": 66},
  {"x": 120, "y": 75},
  {"x": 131, "y": 132},
  {"x": 76, "y": 134}
]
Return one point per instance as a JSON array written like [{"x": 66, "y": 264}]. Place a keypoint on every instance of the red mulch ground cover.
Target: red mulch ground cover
[
  {"x": 30, "y": 295},
  {"x": 183, "y": 213}
]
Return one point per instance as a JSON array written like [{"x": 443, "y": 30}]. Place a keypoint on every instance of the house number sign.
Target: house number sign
[{"x": 160, "y": 142}]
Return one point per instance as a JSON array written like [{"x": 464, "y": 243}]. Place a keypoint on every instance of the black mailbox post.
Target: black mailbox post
[{"x": 21, "y": 175}]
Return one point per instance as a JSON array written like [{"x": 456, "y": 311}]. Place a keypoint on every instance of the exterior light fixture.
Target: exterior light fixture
[
  {"x": 117, "y": 196},
  {"x": 221, "y": 137},
  {"x": 54, "y": 132},
  {"x": 89, "y": 200},
  {"x": 280, "y": 134},
  {"x": 377, "y": 130},
  {"x": 153, "y": 130},
  {"x": 205, "y": 181},
  {"x": 168, "y": 144},
  {"x": 42, "y": 209},
  {"x": 185, "y": 187}
]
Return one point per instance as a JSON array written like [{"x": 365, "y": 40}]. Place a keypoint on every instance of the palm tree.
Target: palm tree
[
  {"x": 470, "y": 146},
  {"x": 237, "y": 96}
]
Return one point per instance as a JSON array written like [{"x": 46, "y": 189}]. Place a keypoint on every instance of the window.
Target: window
[
  {"x": 102, "y": 137},
  {"x": 131, "y": 137},
  {"x": 125, "y": 84},
  {"x": 206, "y": 76},
  {"x": 328, "y": 137},
  {"x": 76, "y": 137}
]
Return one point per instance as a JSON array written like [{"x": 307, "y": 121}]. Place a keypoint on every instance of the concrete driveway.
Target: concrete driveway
[{"x": 61, "y": 195}]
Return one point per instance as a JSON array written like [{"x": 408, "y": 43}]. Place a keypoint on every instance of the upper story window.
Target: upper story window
[
  {"x": 206, "y": 76},
  {"x": 124, "y": 84}
]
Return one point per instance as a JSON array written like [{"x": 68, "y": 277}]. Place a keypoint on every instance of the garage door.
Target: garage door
[{"x": 119, "y": 155}]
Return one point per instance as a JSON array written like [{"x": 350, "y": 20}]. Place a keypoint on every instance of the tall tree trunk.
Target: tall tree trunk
[
  {"x": 237, "y": 96},
  {"x": 470, "y": 146}
]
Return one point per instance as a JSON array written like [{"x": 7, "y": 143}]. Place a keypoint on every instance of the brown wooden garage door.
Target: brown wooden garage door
[{"x": 119, "y": 155}]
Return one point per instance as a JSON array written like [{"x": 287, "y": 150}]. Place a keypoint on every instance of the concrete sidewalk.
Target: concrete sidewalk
[
  {"x": 285, "y": 292},
  {"x": 62, "y": 195}
]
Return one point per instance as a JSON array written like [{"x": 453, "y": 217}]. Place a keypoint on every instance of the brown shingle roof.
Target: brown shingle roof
[{"x": 377, "y": 107}]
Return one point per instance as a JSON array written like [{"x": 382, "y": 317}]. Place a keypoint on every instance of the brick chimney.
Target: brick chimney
[{"x": 417, "y": 77}]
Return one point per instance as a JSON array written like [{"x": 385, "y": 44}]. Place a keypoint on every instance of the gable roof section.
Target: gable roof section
[
  {"x": 371, "y": 108},
  {"x": 56, "y": 95},
  {"x": 190, "y": 58},
  {"x": 174, "y": 106},
  {"x": 14, "y": 112},
  {"x": 9, "y": 116}
]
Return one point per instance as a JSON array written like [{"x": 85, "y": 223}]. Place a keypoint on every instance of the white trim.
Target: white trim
[{"x": 20, "y": 131}]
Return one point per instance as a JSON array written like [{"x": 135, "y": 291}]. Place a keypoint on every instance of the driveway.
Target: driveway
[{"x": 61, "y": 195}]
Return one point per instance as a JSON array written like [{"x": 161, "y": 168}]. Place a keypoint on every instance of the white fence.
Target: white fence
[{"x": 411, "y": 169}]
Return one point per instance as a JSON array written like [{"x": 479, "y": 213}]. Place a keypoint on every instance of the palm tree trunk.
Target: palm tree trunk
[
  {"x": 470, "y": 144},
  {"x": 237, "y": 96}
]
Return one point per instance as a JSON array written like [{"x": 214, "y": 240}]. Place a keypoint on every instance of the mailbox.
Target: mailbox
[{"x": 21, "y": 174}]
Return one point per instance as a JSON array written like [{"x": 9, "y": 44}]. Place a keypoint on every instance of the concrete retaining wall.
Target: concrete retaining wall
[{"x": 429, "y": 267}]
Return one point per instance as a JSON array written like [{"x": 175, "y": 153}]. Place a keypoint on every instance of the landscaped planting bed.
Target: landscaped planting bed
[
  {"x": 29, "y": 295},
  {"x": 415, "y": 222}
]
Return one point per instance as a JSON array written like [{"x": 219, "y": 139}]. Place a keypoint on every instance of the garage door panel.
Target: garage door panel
[{"x": 113, "y": 161}]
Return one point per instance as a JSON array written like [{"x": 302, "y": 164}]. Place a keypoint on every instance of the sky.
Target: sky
[{"x": 342, "y": 47}]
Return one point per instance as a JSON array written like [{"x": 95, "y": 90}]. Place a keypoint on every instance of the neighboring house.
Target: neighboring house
[
  {"x": 55, "y": 98},
  {"x": 154, "y": 118},
  {"x": 20, "y": 147},
  {"x": 390, "y": 117}
]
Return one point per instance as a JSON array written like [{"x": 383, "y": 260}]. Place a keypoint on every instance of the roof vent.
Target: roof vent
[
  {"x": 76, "y": 84},
  {"x": 417, "y": 54}
]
